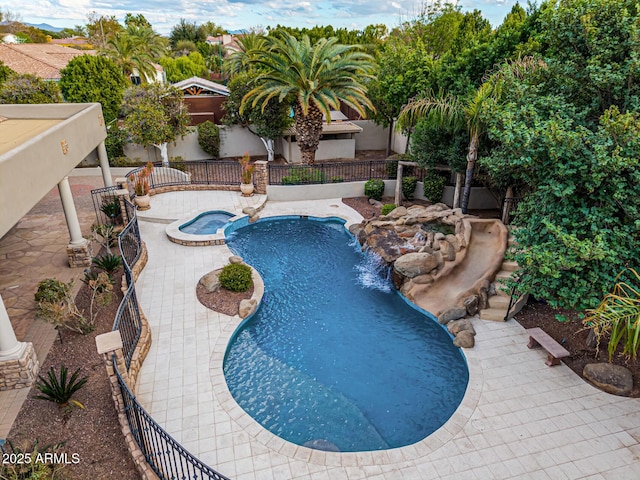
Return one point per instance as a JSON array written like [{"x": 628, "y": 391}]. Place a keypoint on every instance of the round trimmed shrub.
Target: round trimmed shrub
[
  {"x": 236, "y": 277},
  {"x": 387, "y": 208},
  {"x": 433, "y": 187},
  {"x": 374, "y": 188},
  {"x": 209, "y": 138},
  {"x": 409, "y": 187}
]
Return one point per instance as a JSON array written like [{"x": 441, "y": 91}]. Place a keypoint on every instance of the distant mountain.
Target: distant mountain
[{"x": 45, "y": 26}]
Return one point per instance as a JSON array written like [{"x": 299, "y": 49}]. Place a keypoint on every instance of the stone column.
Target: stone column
[
  {"x": 78, "y": 249},
  {"x": 18, "y": 362},
  {"x": 261, "y": 176},
  {"x": 104, "y": 165},
  {"x": 9, "y": 345}
]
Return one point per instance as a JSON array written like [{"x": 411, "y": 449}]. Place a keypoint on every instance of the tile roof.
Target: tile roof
[{"x": 43, "y": 60}]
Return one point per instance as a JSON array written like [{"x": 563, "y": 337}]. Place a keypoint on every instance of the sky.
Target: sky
[{"x": 244, "y": 14}]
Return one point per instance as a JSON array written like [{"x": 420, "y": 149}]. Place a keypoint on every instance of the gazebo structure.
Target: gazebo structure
[
  {"x": 204, "y": 99},
  {"x": 39, "y": 146}
]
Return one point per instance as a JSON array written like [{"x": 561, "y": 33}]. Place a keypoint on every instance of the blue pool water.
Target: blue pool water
[
  {"x": 334, "y": 354},
  {"x": 207, "y": 223}
]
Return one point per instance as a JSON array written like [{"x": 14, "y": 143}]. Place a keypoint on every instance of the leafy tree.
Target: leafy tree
[
  {"x": 77, "y": 31},
  {"x": 592, "y": 48},
  {"x": 268, "y": 123},
  {"x": 155, "y": 115},
  {"x": 101, "y": 28},
  {"x": 316, "y": 78},
  {"x": 210, "y": 28},
  {"x": 183, "y": 48},
  {"x": 29, "y": 89},
  {"x": 181, "y": 68},
  {"x": 5, "y": 73},
  {"x": 89, "y": 78},
  {"x": 432, "y": 145},
  {"x": 405, "y": 70},
  {"x": 452, "y": 113},
  {"x": 569, "y": 134},
  {"x": 186, "y": 31},
  {"x": 137, "y": 21}
]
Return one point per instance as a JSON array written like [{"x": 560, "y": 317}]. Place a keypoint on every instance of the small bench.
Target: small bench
[{"x": 540, "y": 338}]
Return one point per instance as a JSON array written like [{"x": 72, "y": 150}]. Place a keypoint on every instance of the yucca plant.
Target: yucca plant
[
  {"x": 618, "y": 316},
  {"x": 60, "y": 389},
  {"x": 108, "y": 262}
]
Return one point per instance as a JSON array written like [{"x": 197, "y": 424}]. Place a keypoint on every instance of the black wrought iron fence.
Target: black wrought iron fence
[
  {"x": 196, "y": 172},
  {"x": 128, "y": 320},
  {"x": 167, "y": 458},
  {"x": 107, "y": 206},
  {"x": 335, "y": 172}
]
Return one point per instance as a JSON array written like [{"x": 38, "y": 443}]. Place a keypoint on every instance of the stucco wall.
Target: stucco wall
[
  {"x": 328, "y": 149},
  {"x": 372, "y": 137}
]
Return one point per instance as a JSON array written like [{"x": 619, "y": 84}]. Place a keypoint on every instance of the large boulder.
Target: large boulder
[
  {"x": 210, "y": 282},
  {"x": 386, "y": 243},
  {"x": 247, "y": 307},
  {"x": 614, "y": 379},
  {"x": 447, "y": 250},
  {"x": 464, "y": 339},
  {"x": 471, "y": 304},
  {"x": 414, "y": 264},
  {"x": 462, "y": 325},
  {"x": 452, "y": 314}
]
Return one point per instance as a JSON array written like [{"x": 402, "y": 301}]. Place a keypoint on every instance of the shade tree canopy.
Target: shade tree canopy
[
  {"x": 90, "y": 78},
  {"x": 155, "y": 115}
]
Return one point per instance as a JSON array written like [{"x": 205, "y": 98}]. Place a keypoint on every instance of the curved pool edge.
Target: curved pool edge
[
  {"x": 461, "y": 416},
  {"x": 408, "y": 453}
]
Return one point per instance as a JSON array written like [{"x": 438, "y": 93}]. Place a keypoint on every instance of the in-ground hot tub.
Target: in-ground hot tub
[{"x": 206, "y": 228}]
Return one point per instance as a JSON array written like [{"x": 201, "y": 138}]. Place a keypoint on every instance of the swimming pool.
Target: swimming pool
[
  {"x": 207, "y": 223},
  {"x": 334, "y": 358}
]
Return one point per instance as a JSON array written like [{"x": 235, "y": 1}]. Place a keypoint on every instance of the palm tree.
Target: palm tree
[
  {"x": 249, "y": 44},
  {"x": 453, "y": 113},
  {"x": 315, "y": 78},
  {"x": 135, "y": 49}
]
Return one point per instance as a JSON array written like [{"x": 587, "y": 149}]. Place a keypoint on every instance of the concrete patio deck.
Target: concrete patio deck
[{"x": 519, "y": 418}]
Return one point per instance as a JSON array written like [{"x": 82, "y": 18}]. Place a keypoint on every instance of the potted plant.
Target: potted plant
[
  {"x": 246, "y": 187},
  {"x": 140, "y": 182}
]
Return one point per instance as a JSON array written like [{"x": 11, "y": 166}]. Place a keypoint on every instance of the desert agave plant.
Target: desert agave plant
[
  {"x": 108, "y": 262},
  {"x": 60, "y": 389}
]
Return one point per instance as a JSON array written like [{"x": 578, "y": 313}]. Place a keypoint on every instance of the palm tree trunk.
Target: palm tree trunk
[
  {"x": 472, "y": 156},
  {"x": 457, "y": 190},
  {"x": 308, "y": 132}
]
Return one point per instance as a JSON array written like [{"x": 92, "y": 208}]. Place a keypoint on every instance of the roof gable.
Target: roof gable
[
  {"x": 43, "y": 60},
  {"x": 199, "y": 86}
]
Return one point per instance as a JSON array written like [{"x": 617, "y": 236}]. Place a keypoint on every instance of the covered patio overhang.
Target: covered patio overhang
[{"x": 39, "y": 146}]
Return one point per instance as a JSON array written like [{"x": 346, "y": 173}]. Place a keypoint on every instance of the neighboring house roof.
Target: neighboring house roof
[
  {"x": 79, "y": 41},
  {"x": 43, "y": 60},
  {"x": 196, "y": 86}
]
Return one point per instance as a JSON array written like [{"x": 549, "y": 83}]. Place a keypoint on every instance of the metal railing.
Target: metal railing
[
  {"x": 128, "y": 320},
  {"x": 167, "y": 458},
  {"x": 194, "y": 172},
  {"x": 331, "y": 172}
]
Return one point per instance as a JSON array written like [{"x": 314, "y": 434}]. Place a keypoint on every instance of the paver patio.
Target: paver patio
[{"x": 519, "y": 418}]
